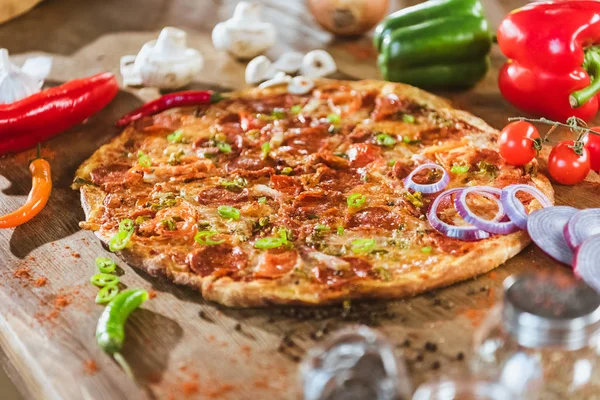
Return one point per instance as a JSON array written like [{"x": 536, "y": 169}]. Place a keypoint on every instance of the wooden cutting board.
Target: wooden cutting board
[{"x": 179, "y": 345}]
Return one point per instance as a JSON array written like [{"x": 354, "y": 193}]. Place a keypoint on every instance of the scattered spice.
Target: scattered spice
[
  {"x": 90, "y": 367},
  {"x": 432, "y": 347},
  {"x": 76, "y": 255},
  {"x": 22, "y": 273},
  {"x": 151, "y": 294},
  {"x": 460, "y": 356},
  {"x": 189, "y": 388},
  {"x": 41, "y": 281},
  {"x": 237, "y": 327},
  {"x": 436, "y": 365},
  {"x": 204, "y": 316},
  {"x": 420, "y": 357}
]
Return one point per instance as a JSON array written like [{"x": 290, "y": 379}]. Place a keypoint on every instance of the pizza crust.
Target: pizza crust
[{"x": 488, "y": 255}]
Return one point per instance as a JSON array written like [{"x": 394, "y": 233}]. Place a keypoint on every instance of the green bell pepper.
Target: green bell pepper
[{"x": 436, "y": 44}]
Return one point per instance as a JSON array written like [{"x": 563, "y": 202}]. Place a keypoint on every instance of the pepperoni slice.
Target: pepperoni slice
[
  {"x": 449, "y": 245},
  {"x": 317, "y": 203},
  {"x": 386, "y": 106},
  {"x": 306, "y": 140},
  {"x": 286, "y": 184},
  {"x": 359, "y": 268},
  {"x": 339, "y": 180},
  {"x": 219, "y": 195},
  {"x": 362, "y": 154},
  {"x": 246, "y": 162},
  {"x": 114, "y": 174},
  {"x": 276, "y": 263},
  {"x": 374, "y": 218},
  {"x": 489, "y": 156},
  {"x": 222, "y": 259},
  {"x": 441, "y": 133},
  {"x": 402, "y": 169}
]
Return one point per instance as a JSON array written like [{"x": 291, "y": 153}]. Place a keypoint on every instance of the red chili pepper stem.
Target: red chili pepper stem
[{"x": 592, "y": 65}]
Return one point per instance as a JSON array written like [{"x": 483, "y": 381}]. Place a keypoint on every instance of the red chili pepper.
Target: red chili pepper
[
  {"x": 38, "y": 117},
  {"x": 554, "y": 59},
  {"x": 171, "y": 100}
]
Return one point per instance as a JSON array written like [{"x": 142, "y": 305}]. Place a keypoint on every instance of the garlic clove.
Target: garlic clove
[
  {"x": 289, "y": 62},
  {"x": 14, "y": 83},
  {"x": 279, "y": 79},
  {"x": 258, "y": 69},
  {"x": 247, "y": 12},
  {"x": 38, "y": 68},
  {"x": 300, "y": 85},
  {"x": 317, "y": 64}
]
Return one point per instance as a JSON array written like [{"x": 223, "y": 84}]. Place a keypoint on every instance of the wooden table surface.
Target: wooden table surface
[{"x": 47, "y": 331}]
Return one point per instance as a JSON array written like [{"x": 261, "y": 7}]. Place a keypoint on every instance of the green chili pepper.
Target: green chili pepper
[
  {"x": 102, "y": 280},
  {"x": 110, "y": 331},
  {"x": 106, "y": 294},
  {"x": 175, "y": 137},
  {"x": 105, "y": 265},
  {"x": 229, "y": 212},
  {"x": 121, "y": 238},
  {"x": 204, "y": 237},
  {"x": 144, "y": 159}
]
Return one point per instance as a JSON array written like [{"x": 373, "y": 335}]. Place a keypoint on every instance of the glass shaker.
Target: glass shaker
[
  {"x": 542, "y": 342},
  {"x": 355, "y": 364},
  {"x": 462, "y": 390}
]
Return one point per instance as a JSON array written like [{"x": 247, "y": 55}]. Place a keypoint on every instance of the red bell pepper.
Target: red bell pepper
[
  {"x": 554, "y": 59},
  {"x": 26, "y": 122}
]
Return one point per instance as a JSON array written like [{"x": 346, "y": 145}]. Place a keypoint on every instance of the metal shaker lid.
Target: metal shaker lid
[{"x": 551, "y": 309}]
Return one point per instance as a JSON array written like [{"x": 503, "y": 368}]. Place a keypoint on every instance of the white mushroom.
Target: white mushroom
[
  {"x": 165, "y": 63},
  {"x": 17, "y": 83},
  {"x": 289, "y": 62},
  {"x": 245, "y": 35},
  {"x": 300, "y": 85},
  {"x": 258, "y": 70},
  {"x": 279, "y": 79},
  {"x": 317, "y": 64}
]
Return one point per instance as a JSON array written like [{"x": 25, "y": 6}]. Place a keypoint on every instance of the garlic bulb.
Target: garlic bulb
[
  {"x": 245, "y": 35},
  {"x": 165, "y": 63},
  {"x": 317, "y": 64},
  {"x": 17, "y": 83}
]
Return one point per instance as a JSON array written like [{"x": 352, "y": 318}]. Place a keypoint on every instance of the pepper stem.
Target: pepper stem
[{"x": 591, "y": 64}]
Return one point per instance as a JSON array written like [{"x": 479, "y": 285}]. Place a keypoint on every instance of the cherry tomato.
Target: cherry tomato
[
  {"x": 567, "y": 167},
  {"x": 592, "y": 144},
  {"x": 518, "y": 142}
]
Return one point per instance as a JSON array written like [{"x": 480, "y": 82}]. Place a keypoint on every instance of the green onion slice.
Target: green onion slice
[
  {"x": 106, "y": 294},
  {"x": 102, "y": 280},
  {"x": 459, "y": 169},
  {"x": 268, "y": 243},
  {"x": 224, "y": 147},
  {"x": 175, "y": 137},
  {"x": 144, "y": 159},
  {"x": 409, "y": 119},
  {"x": 356, "y": 200},
  {"x": 228, "y": 212},
  {"x": 262, "y": 200},
  {"x": 426, "y": 249},
  {"x": 363, "y": 245},
  {"x": 121, "y": 238},
  {"x": 296, "y": 109},
  {"x": 105, "y": 265},
  {"x": 334, "y": 118},
  {"x": 204, "y": 237},
  {"x": 340, "y": 230},
  {"x": 385, "y": 140}
]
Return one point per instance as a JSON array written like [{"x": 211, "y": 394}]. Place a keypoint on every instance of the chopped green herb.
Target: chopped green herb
[
  {"x": 356, "y": 200},
  {"x": 224, "y": 147},
  {"x": 408, "y": 140},
  {"x": 175, "y": 137},
  {"x": 262, "y": 200},
  {"x": 334, "y": 118},
  {"x": 105, "y": 265},
  {"x": 383, "y": 273},
  {"x": 487, "y": 168},
  {"x": 144, "y": 160},
  {"x": 266, "y": 148},
  {"x": 426, "y": 249},
  {"x": 174, "y": 158},
  {"x": 228, "y": 212},
  {"x": 204, "y": 237},
  {"x": 164, "y": 202},
  {"x": 409, "y": 119},
  {"x": 340, "y": 230},
  {"x": 235, "y": 185},
  {"x": 169, "y": 224},
  {"x": 263, "y": 221},
  {"x": 416, "y": 198},
  {"x": 385, "y": 140},
  {"x": 286, "y": 171},
  {"x": 296, "y": 109},
  {"x": 391, "y": 163},
  {"x": 276, "y": 114},
  {"x": 363, "y": 245},
  {"x": 122, "y": 237},
  {"x": 321, "y": 227},
  {"x": 459, "y": 169}
]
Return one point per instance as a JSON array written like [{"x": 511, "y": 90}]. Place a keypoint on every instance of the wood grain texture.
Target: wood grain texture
[{"x": 175, "y": 353}]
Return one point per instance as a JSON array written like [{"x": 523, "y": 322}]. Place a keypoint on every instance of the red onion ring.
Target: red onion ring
[
  {"x": 586, "y": 261},
  {"x": 545, "y": 227},
  {"x": 515, "y": 209},
  {"x": 429, "y": 188},
  {"x": 583, "y": 224},
  {"x": 467, "y": 233},
  {"x": 491, "y": 226}
]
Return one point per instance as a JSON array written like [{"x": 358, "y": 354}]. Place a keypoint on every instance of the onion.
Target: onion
[
  {"x": 453, "y": 231},
  {"x": 582, "y": 225},
  {"x": 491, "y": 226},
  {"x": 264, "y": 190},
  {"x": 586, "y": 263},
  {"x": 515, "y": 209},
  {"x": 348, "y": 17},
  {"x": 409, "y": 183},
  {"x": 546, "y": 227}
]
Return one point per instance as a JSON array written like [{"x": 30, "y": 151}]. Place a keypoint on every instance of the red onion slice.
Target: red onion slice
[
  {"x": 546, "y": 226},
  {"x": 581, "y": 226},
  {"x": 491, "y": 226},
  {"x": 429, "y": 188},
  {"x": 515, "y": 209},
  {"x": 586, "y": 262},
  {"x": 466, "y": 233}
]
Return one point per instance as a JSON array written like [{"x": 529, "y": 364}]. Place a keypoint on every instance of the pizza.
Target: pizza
[{"x": 270, "y": 198}]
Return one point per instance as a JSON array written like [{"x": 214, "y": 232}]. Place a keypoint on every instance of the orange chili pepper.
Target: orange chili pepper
[{"x": 38, "y": 197}]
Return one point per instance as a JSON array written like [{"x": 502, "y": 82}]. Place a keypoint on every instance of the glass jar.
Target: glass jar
[
  {"x": 462, "y": 390},
  {"x": 542, "y": 342},
  {"x": 355, "y": 364}
]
